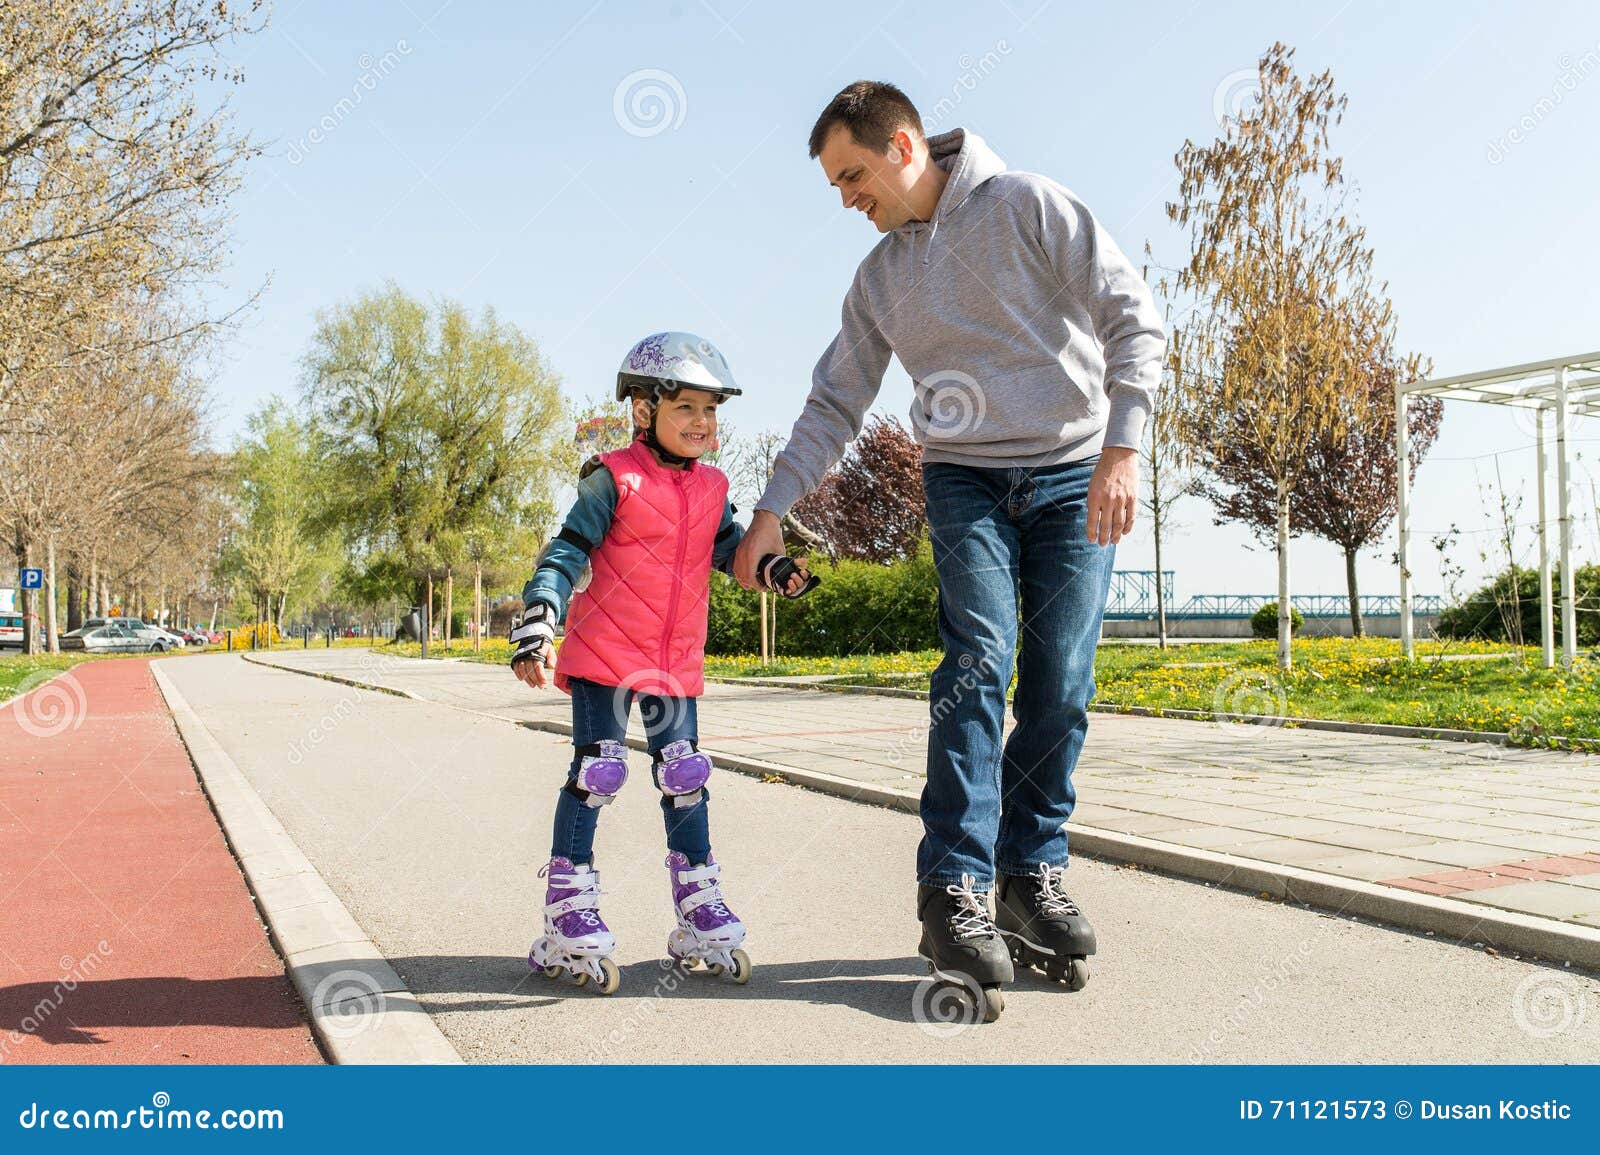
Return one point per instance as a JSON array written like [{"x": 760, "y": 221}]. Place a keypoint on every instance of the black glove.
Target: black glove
[
  {"x": 533, "y": 634},
  {"x": 775, "y": 570}
]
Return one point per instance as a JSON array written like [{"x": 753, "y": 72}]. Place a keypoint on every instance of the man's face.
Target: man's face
[{"x": 872, "y": 182}]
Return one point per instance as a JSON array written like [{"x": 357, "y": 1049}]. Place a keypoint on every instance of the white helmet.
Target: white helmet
[{"x": 672, "y": 360}]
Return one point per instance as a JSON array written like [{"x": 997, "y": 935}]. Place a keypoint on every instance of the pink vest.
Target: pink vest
[{"x": 641, "y": 623}]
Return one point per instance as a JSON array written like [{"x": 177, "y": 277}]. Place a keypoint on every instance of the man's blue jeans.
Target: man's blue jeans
[
  {"x": 1012, "y": 557},
  {"x": 600, "y": 713}
]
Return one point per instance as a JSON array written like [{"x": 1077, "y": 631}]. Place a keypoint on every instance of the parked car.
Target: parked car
[
  {"x": 106, "y": 638},
  {"x": 155, "y": 639},
  {"x": 194, "y": 636},
  {"x": 11, "y": 630}
]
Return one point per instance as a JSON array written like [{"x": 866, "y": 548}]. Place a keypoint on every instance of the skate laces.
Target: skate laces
[
  {"x": 1052, "y": 897},
  {"x": 969, "y": 917}
]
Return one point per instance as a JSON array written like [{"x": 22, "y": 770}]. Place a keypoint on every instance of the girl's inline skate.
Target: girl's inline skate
[
  {"x": 576, "y": 941},
  {"x": 707, "y": 930}
]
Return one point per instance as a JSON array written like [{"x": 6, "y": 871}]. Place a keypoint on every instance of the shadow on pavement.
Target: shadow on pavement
[{"x": 882, "y": 987}]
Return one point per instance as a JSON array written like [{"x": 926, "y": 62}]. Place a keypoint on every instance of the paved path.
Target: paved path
[
  {"x": 430, "y": 824},
  {"x": 1509, "y": 828},
  {"x": 126, "y": 931}
]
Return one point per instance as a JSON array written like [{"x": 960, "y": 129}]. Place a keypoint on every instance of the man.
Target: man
[{"x": 1035, "y": 349}]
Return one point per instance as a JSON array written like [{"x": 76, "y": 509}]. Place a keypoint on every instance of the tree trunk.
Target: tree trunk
[
  {"x": 1357, "y": 626},
  {"x": 1161, "y": 593},
  {"x": 427, "y": 616},
  {"x": 52, "y": 639},
  {"x": 1285, "y": 607},
  {"x": 30, "y": 620},
  {"x": 477, "y": 609},
  {"x": 449, "y": 602}
]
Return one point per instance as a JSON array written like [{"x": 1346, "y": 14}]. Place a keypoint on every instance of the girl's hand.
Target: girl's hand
[{"x": 537, "y": 673}]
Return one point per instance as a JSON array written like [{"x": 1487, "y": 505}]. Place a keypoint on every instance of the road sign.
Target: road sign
[{"x": 33, "y": 579}]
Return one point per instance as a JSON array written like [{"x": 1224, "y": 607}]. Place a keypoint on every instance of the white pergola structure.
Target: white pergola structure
[{"x": 1566, "y": 386}]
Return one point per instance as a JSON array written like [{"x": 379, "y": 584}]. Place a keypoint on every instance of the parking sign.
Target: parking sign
[{"x": 33, "y": 579}]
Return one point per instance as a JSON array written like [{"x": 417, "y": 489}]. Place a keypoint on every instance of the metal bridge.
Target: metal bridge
[{"x": 1133, "y": 595}]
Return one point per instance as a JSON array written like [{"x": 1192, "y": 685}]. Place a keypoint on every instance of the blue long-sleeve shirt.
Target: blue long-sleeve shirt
[{"x": 585, "y": 527}]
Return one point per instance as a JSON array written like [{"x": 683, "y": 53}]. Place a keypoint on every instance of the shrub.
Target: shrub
[
  {"x": 1488, "y": 612},
  {"x": 860, "y": 608},
  {"x": 1264, "y": 622}
]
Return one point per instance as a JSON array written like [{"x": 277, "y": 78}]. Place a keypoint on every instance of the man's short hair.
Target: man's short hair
[{"x": 873, "y": 111}]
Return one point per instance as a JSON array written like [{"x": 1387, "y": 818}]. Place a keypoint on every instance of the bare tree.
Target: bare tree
[{"x": 1283, "y": 276}]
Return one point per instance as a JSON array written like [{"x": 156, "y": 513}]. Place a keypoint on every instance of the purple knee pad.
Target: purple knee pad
[
  {"x": 682, "y": 770},
  {"x": 601, "y": 776}
]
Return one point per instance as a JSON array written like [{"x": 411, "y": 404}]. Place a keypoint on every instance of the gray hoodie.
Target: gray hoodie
[{"x": 1029, "y": 337}]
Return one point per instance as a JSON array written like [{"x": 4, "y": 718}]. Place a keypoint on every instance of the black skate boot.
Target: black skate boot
[
  {"x": 961, "y": 944},
  {"x": 1043, "y": 927}
]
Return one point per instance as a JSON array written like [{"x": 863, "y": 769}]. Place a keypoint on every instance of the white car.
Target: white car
[
  {"x": 156, "y": 640},
  {"x": 105, "y": 638},
  {"x": 11, "y": 629}
]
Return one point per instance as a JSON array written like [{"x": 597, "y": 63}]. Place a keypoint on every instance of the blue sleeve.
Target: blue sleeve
[
  {"x": 729, "y": 534},
  {"x": 562, "y": 561}
]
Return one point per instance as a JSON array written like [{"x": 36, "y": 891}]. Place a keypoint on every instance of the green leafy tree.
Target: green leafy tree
[{"x": 434, "y": 422}]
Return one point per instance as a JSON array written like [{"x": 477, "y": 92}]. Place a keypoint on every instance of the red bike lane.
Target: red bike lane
[{"x": 127, "y": 934}]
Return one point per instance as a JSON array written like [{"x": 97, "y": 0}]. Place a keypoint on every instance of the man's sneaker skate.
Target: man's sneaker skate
[
  {"x": 576, "y": 941},
  {"x": 707, "y": 930},
  {"x": 1043, "y": 927},
  {"x": 961, "y": 943}
]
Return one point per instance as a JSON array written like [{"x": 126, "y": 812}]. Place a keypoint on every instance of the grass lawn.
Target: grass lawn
[
  {"x": 1454, "y": 685},
  {"x": 21, "y": 674},
  {"x": 1451, "y": 685}
]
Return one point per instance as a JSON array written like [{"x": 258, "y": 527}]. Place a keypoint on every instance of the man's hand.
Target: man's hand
[
  {"x": 1113, "y": 495},
  {"x": 764, "y": 536}
]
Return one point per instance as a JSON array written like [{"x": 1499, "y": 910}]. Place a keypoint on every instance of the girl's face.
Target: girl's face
[{"x": 685, "y": 424}]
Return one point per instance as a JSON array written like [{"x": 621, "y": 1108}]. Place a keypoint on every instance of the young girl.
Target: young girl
[{"x": 651, "y": 522}]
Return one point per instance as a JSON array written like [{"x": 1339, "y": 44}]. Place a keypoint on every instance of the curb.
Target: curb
[
  {"x": 360, "y": 1009},
  {"x": 1380, "y": 729},
  {"x": 359, "y": 685},
  {"x": 1466, "y": 922}
]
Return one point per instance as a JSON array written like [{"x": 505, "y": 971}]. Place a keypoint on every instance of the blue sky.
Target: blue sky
[{"x": 481, "y": 150}]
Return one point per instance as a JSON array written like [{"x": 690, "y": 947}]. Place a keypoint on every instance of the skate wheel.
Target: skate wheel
[
  {"x": 551, "y": 972},
  {"x": 715, "y": 968},
  {"x": 610, "y": 977},
  {"x": 994, "y": 1002},
  {"x": 581, "y": 978},
  {"x": 1077, "y": 974},
  {"x": 741, "y": 968}
]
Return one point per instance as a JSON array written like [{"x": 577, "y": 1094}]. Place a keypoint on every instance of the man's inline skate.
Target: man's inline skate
[
  {"x": 962, "y": 945},
  {"x": 1043, "y": 927},
  {"x": 576, "y": 942},
  {"x": 707, "y": 930}
]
